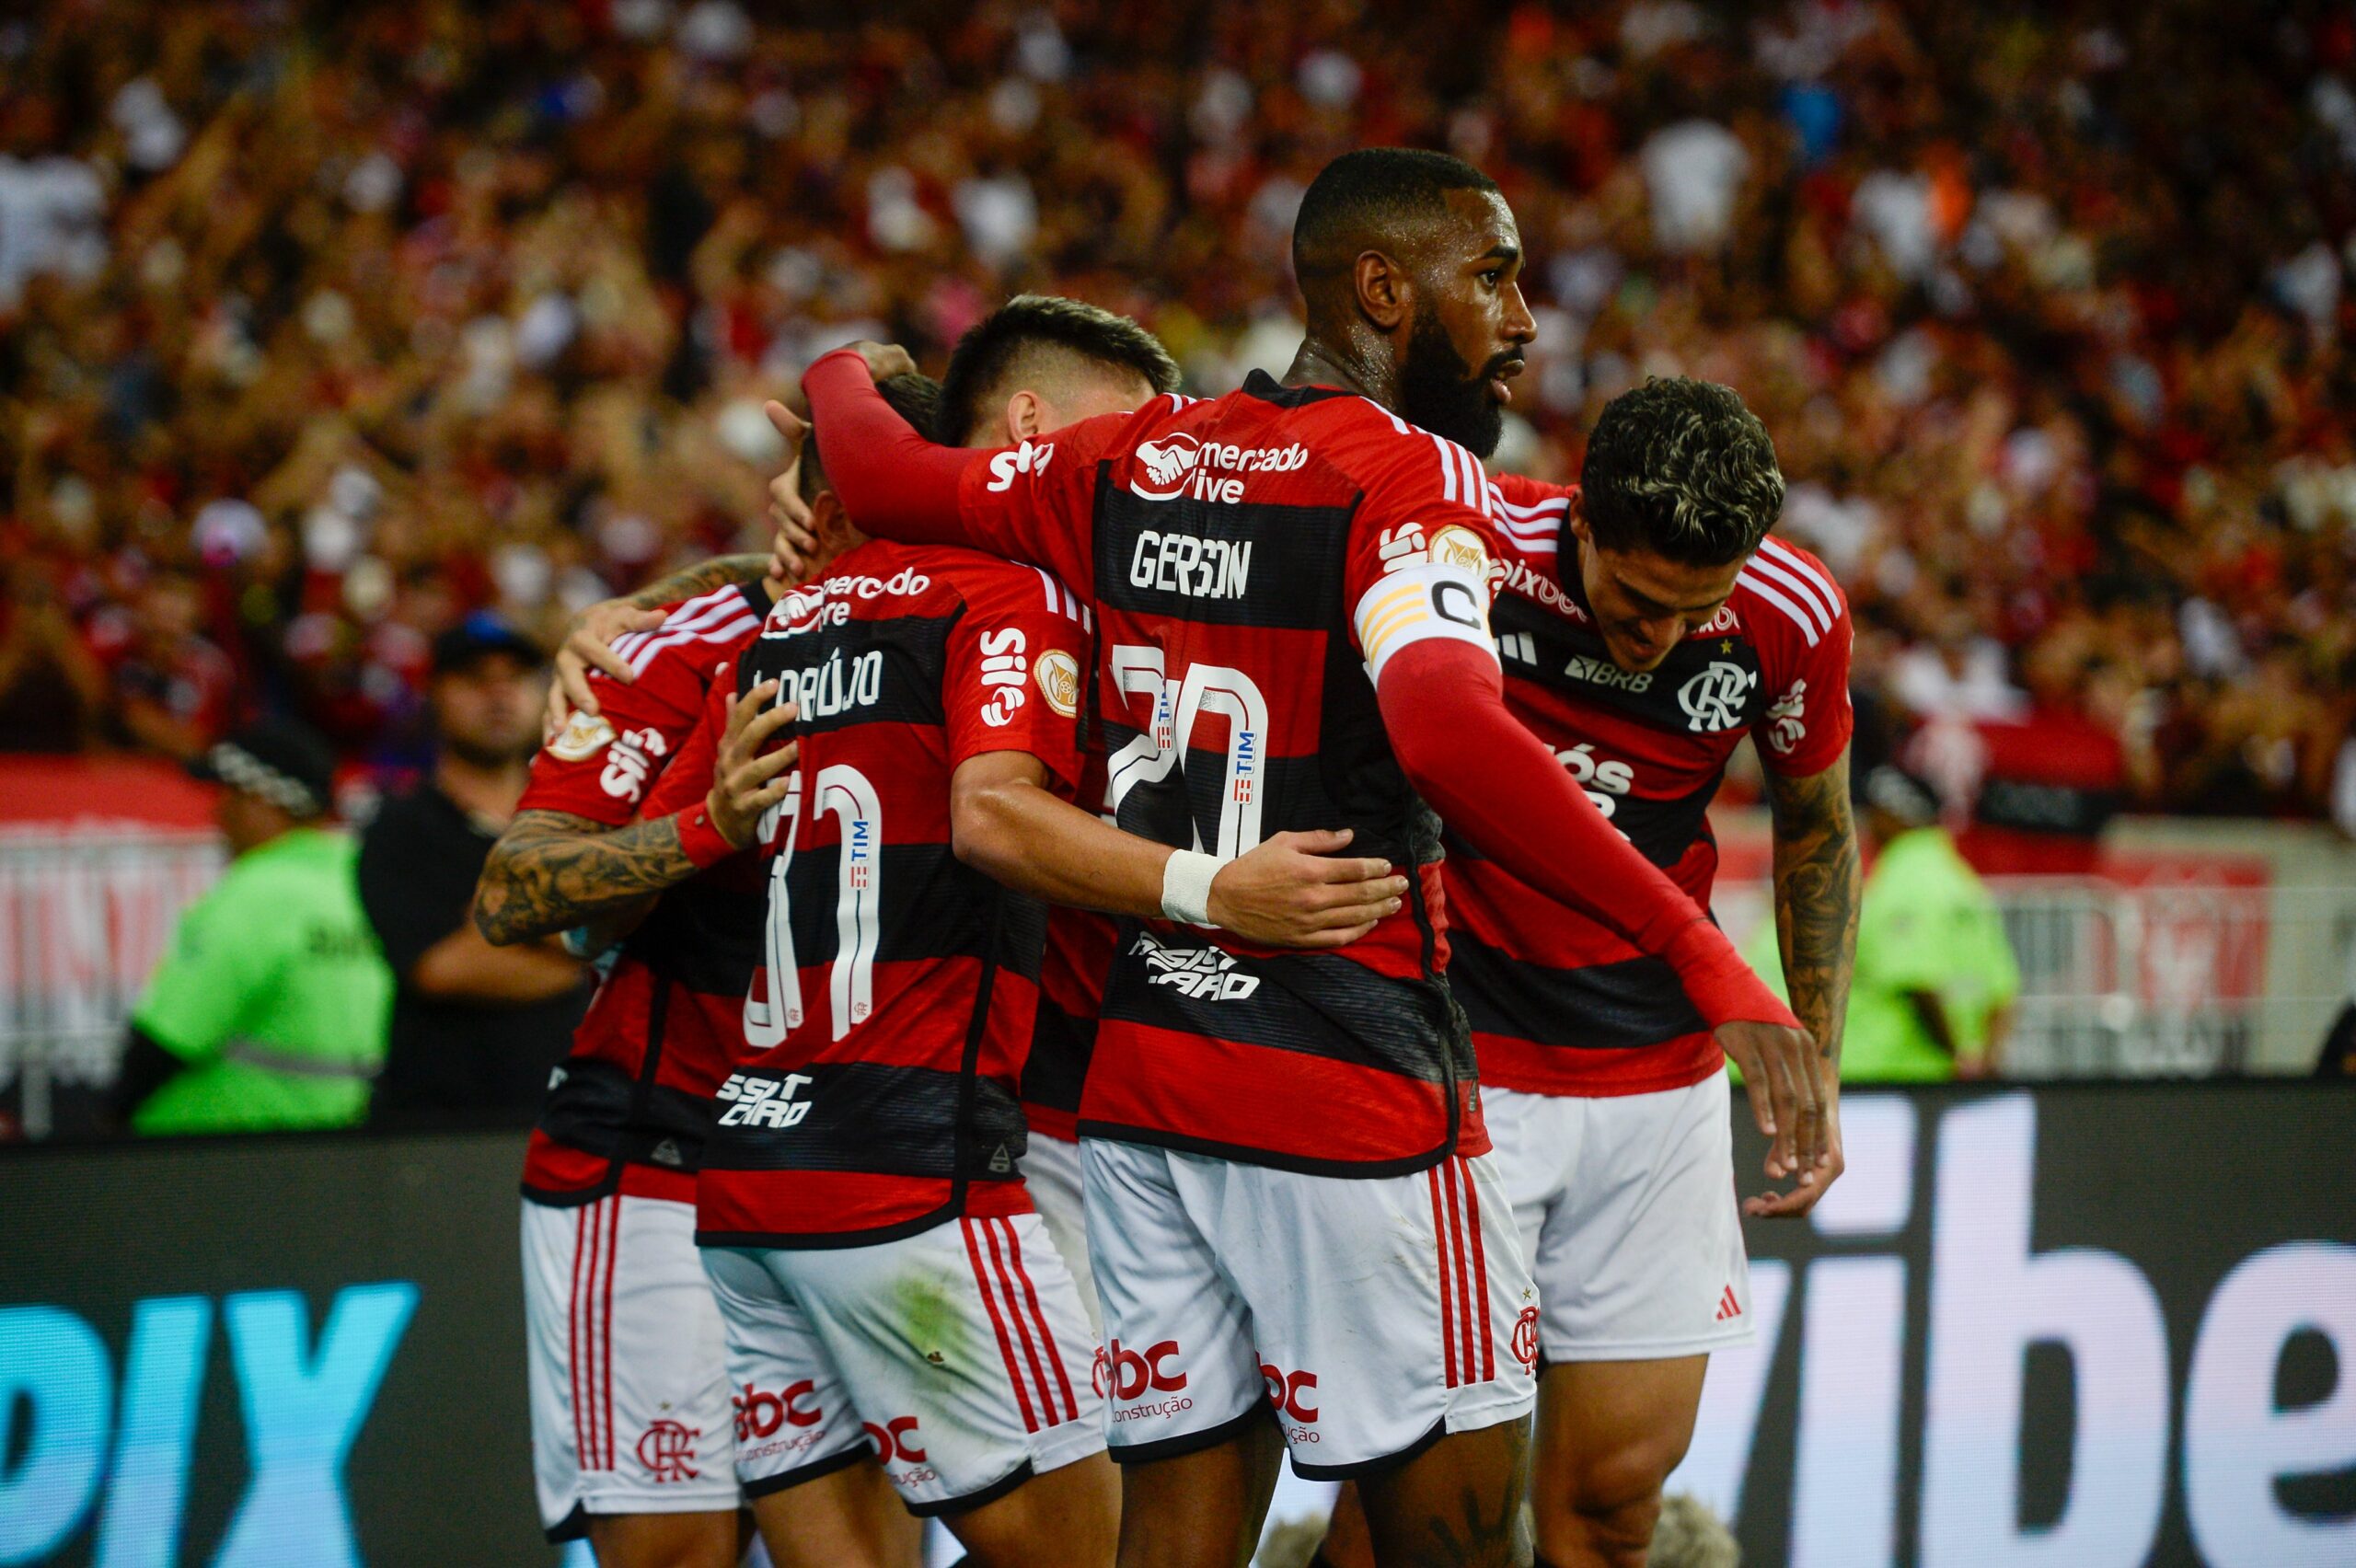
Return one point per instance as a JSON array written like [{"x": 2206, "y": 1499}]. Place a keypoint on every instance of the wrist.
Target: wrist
[
  {"x": 701, "y": 840},
  {"x": 1722, "y": 987},
  {"x": 1186, "y": 879}
]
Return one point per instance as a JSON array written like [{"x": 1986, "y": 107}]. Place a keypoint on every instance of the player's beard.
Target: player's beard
[{"x": 1438, "y": 391}]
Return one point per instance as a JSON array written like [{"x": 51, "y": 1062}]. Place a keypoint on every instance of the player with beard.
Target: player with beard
[
  {"x": 630, "y": 1341},
  {"x": 1290, "y": 1202}
]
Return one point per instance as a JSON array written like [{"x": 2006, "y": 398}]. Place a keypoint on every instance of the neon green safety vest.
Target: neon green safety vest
[{"x": 274, "y": 995}]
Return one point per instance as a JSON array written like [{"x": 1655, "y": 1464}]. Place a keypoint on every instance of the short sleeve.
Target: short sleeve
[
  {"x": 218, "y": 962},
  {"x": 688, "y": 778},
  {"x": 1035, "y": 503},
  {"x": 602, "y": 764},
  {"x": 1808, "y": 720},
  {"x": 1016, "y": 670},
  {"x": 1421, "y": 547}
]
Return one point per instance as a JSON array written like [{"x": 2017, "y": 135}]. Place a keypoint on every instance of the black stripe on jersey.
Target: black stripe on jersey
[
  {"x": 861, "y": 672},
  {"x": 1708, "y": 685},
  {"x": 1318, "y": 1004},
  {"x": 1598, "y": 1007},
  {"x": 874, "y": 1119},
  {"x": 1296, "y": 793},
  {"x": 1056, "y": 1069},
  {"x": 1240, "y": 563},
  {"x": 706, "y": 939},
  {"x": 602, "y": 1109},
  {"x": 935, "y": 907},
  {"x": 1662, "y": 831}
]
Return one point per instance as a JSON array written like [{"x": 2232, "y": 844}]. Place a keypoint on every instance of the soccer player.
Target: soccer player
[
  {"x": 864, "y": 1219},
  {"x": 1289, "y": 1200},
  {"x": 1647, "y": 624},
  {"x": 615, "y": 1157}
]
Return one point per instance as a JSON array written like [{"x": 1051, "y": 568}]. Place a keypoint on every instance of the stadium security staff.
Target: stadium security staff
[
  {"x": 269, "y": 1012},
  {"x": 475, "y": 1027}
]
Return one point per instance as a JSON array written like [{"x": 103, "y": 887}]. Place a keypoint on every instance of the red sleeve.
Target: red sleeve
[
  {"x": 1031, "y": 503},
  {"x": 1014, "y": 677},
  {"x": 601, "y": 765},
  {"x": 1530, "y": 512},
  {"x": 688, "y": 778},
  {"x": 1443, "y": 704},
  {"x": 1424, "y": 515},
  {"x": 1799, "y": 618}
]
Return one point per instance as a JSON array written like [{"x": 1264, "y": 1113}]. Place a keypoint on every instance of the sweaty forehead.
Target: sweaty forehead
[{"x": 1480, "y": 224}]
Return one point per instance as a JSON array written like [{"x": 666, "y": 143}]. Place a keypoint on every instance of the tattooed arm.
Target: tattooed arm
[
  {"x": 551, "y": 871},
  {"x": 1816, "y": 885},
  {"x": 689, "y": 582}
]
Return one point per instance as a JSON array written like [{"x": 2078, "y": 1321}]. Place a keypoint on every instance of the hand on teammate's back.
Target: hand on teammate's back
[
  {"x": 1294, "y": 890},
  {"x": 1784, "y": 1073},
  {"x": 589, "y": 644},
  {"x": 746, "y": 779}
]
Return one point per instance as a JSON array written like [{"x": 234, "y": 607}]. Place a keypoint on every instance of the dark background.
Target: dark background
[{"x": 2183, "y": 1181}]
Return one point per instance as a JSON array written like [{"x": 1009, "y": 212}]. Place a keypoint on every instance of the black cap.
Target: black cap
[
  {"x": 479, "y": 637},
  {"x": 276, "y": 760}
]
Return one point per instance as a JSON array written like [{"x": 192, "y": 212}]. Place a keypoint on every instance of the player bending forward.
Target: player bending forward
[
  {"x": 1290, "y": 1202},
  {"x": 1647, "y": 625}
]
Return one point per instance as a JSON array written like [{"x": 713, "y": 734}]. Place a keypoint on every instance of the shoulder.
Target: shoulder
[
  {"x": 1789, "y": 602},
  {"x": 988, "y": 585},
  {"x": 692, "y": 629}
]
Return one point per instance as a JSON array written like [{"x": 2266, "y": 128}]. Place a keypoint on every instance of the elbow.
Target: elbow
[{"x": 494, "y": 898}]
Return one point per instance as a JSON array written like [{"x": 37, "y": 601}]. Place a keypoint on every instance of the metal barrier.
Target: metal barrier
[{"x": 84, "y": 917}]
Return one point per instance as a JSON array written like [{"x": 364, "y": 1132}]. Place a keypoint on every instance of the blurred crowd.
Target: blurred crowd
[{"x": 323, "y": 325}]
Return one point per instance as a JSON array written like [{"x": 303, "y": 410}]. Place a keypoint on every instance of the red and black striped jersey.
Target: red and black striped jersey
[
  {"x": 874, "y": 1092},
  {"x": 629, "y": 1107},
  {"x": 1071, "y": 993},
  {"x": 1560, "y": 1003},
  {"x": 1253, "y": 560}
]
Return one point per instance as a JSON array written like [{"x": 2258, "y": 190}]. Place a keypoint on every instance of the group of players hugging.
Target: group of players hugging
[{"x": 1165, "y": 932}]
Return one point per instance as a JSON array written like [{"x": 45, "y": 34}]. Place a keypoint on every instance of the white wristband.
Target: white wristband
[{"x": 1186, "y": 886}]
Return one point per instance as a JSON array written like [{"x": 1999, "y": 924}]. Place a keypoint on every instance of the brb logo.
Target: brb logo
[
  {"x": 1287, "y": 1393},
  {"x": 1124, "y": 1374},
  {"x": 668, "y": 1451},
  {"x": 760, "y": 1414},
  {"x": 1714, "y": 699}
]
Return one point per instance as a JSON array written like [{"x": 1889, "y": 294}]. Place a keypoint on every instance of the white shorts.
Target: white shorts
[
  {"x": 1051, "y": 1175},
  {"x": 629, "y": 1375},
  {"x": 1627, "y": 1211},
  {"x": 957, "y": 1358},
  {"x": 1374, "y": 1315}
]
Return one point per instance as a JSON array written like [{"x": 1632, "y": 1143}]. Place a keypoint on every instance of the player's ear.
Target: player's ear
[
  {"x": 1385, "y": 293},
  {"x": 828, "y": 518},
  {"x": 1025, "y": 416}
]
